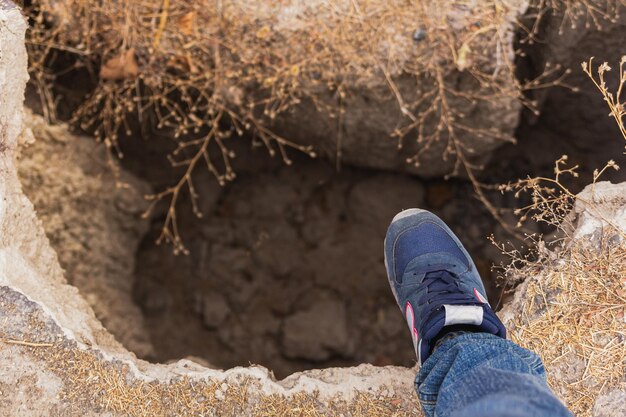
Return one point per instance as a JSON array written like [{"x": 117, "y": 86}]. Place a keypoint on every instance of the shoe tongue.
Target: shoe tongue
[{"x": 476, "y": 315}]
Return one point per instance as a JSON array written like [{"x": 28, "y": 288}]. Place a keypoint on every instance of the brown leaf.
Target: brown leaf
[
  {"x": 120, "y": 67},
  {"x": 187, "y": 23}
]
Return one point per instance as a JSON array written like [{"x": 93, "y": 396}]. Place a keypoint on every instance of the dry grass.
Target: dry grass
[
  {"x": 91, "y": 383},
  {"x": 573, "y": 296},
  {"x": 574, "y": 319},
  {"x": 209, "y": 70}
]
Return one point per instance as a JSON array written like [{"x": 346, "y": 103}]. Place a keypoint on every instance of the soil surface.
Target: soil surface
[
  {"x": 93, "y": 225},
  {"x": 286, "y": 269}
]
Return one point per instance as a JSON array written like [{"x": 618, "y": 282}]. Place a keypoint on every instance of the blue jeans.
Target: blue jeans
[{"x": 482, "y": 375}]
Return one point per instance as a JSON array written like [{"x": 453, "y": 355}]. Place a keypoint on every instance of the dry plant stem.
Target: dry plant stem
[
  {"x": 551, "y": 199},
  {"x": 25, "y": 343},
  {"x": 169, "y": 231},
  {"x": 575, "y": 13},
  {"x": 616, "y": 103},
  {"x": 162, "y": 23}
]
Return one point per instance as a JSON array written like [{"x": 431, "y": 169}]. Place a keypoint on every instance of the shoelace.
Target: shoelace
[{"x": 442, "y": 288}]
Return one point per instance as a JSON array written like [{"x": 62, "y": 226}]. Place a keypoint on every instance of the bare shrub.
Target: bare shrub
[
  {"x": 549, "y": 199},
  {"x": 210, "y": 70}
]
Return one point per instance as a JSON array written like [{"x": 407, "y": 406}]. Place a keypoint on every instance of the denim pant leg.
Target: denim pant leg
[{"x": 482, "y": 375}]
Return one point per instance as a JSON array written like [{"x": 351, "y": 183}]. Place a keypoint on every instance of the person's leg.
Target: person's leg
[
  {"x": 479, "y": 375},
  {"x": 468, "y": 368}
]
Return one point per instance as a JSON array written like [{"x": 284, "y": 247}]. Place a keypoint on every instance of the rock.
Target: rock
[
  {"x": 376, "y": 200},
  {"x": 324, "y": 212},
  {"x": 193, "y": 363},
  {"x": 268, "y": 198},
  {"x": 319, "y": 331},
  {"x": 152, "y": 298},
  {"x": 612, "y": 404},
  {"x": 232, "y": 259},
  {"x": 215, "y": 310},
  {"x": 234, "y": 334},
  {"x": 599, "y": 209},
  {"x": 244, "y": 287},
  {"x": 438, "y": 194},
  {"x": 263, "y": 322},
  {"x": 278, "y": 248},
  {"x": 367, "y": 112},
  {"x": 67, "y": 176},
  {"x": 224, "y": 229}
]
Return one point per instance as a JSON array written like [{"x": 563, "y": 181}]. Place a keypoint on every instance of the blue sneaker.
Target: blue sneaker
[{"x": 434, "y": 280}]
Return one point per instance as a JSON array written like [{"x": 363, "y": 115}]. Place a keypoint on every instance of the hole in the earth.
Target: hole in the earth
[
  {"x": 286, "y": 267},
  {"x": 286, "y": 270}
]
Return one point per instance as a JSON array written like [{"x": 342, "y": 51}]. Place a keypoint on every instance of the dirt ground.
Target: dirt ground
[
  {"x": 286, "y": 270},
  {"x": 94, "y": 225}
]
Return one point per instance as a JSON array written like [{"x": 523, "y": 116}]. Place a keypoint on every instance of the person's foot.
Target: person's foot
[{"x": 434, "y": 280}]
